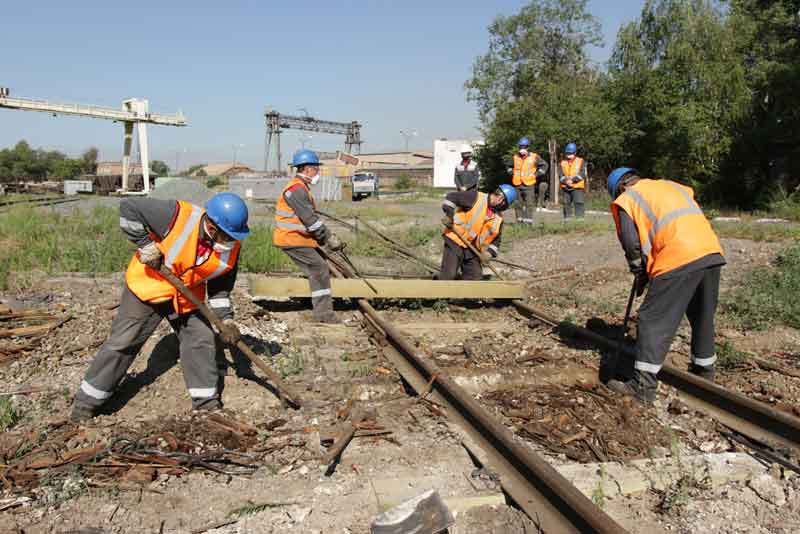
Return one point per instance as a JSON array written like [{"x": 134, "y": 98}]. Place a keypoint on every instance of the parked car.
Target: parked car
[{"x": 364, "y": 184}]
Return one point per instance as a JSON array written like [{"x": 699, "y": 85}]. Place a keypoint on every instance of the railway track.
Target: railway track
[{"x": 548, "y": 498}]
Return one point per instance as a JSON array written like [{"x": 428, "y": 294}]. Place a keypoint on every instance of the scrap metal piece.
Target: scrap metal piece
[{"x": 424, "y": 514}]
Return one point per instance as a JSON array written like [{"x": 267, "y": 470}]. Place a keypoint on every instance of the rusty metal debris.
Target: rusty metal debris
[{"x": 29, "y": 325}]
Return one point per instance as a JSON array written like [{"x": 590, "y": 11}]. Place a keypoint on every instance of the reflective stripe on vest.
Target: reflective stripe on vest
[
  {"x": 489, "y": 232},
  {"x": 289, "y": 230},
  {"x": 672, "y": 228},
  {"x": 179, "y": 248},
  {"x": 572, "y": 168},
  {"x": 525, "y": 170}
]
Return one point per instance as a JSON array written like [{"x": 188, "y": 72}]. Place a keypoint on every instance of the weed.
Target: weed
[
  {"x": 675, "y": 495},
  {"x": 514, "y": 232},
  {"x": 403, "y": 183},
  {"x": 291, "y": 364},
  {"x": 213, "y": 182},
  {"x": 252, "y": 508},
  {"x": 768, "y": 295},
  {"x": 753, "y": 231},
  {"x": 360, "y": 371},
  {"x": 784, "y": 205},
  {"x": 729, "y": 357},
  {"x": 259, "y": 255},
  {"x": 59, "y": 488},
  {"x": 440, "y": 306},
  {"x": 8, "y": 414},
  {"x": 598, "y": 494}
]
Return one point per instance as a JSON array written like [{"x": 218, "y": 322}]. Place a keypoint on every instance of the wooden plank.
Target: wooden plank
[{"x": 265, "y": 288}]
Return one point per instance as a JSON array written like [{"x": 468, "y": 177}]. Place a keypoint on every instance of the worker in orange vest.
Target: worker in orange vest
[
  {"x": 201, "y": 246},
  {"x": 528, "y": 167},
  {"x": 300, "y": 232},
  {"x": 669, "y": 244},
  {"x": 474, "y": 216},
  {"x": 572, "y": 178}
]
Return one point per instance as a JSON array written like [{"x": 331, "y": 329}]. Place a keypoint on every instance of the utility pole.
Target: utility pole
[{"x": 235, "y": 149}]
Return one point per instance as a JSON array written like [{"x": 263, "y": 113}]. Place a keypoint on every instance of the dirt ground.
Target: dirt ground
[{"x": 266, "y": 476}]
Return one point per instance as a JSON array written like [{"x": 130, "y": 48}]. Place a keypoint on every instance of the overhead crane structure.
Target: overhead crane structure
[
  {"x": 277, "y": 122},
  {"x": 134, "y": 112}
]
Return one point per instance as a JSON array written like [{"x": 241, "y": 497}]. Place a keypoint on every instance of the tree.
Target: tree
[
  {"x": 159, "y": 168},
  {"x": 679, "y": 82},
  {"x": 536, "y": 80},
  {"x": 89, "y": 158}
]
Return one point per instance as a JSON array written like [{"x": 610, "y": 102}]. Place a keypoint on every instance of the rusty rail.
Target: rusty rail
[
  {"x": 540, "y": 490},
  {"x": 749, "y": 417}
]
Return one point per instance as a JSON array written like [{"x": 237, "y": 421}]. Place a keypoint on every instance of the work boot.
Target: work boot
[
  {"x": 708, "y": 372},
  {"x": 641, "y": 387},
  {"x": 81, "y": 412}
]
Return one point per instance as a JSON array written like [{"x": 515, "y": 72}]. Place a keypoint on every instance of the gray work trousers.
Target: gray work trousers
[
  {"x": 314, "y": 266},
  {"x": 668, "y": 299},
  {"x": 135, "y": 322},
  {"x": 456, "y": 258},
  {"x": 525, "y": 206},
  {"x": 570, "y": 197}
]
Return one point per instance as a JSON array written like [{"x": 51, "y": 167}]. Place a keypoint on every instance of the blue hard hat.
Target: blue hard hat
[
  {"x": 229, "y": 212},
  {"x": 509, "y": 192},
  {"x": 524, "y": 142},
  {"x": 615, "y": 177},
  {"x": 571, "y": 148},
  {"x": 305, "y": 157}
]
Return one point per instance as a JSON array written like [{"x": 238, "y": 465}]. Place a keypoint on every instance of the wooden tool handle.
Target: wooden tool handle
[
  {"x": 475, "y": 251},
  {"x": 284, "y": 391}
]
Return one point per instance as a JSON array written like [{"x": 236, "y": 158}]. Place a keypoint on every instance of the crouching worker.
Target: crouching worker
[
  {"x": 669, "y": 244},
  {"x": 201, "y": 247},
  {"x": 476, "y": 217},
  {"x": 300, "y": 233}
]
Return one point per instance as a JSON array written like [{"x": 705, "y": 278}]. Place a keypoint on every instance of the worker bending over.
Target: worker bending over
[
  {"x": 669, "y": 243},
  {"x": 476, "y": 217},
  {"x": 300, "y": 233},
  {"x": 528, "y": 167},
  {"x": 572, "y": 178},
  {"x": 467, "y": 175},
  {"x": 201, "y": 247}
]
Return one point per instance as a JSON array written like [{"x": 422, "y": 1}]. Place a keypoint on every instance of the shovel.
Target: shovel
[
  {"x": 612, "y": 364},
  {"x": 284, "y": 392}
]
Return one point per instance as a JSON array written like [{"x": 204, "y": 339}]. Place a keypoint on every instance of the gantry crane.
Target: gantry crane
[
  {"x": 276, "y": 122},
  {"x": 134, "y": 112}
]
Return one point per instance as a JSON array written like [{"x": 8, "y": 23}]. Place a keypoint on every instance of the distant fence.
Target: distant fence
[{"x": 328, "y": 188}]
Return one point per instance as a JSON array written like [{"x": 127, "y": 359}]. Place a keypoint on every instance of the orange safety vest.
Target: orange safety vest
[
  {"x": 480, "y": 225},
  {"x": 289, "y": 230},
  {"x": 179, "y": 248},
  {"x": 572, "y": 168},
  {"x": 525, "y": 170},
  {"x": 672, "y": 228}
]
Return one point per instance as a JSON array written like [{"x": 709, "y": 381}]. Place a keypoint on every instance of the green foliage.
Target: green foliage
[
  {"x": 195, "y": 168},
  {"x": 768, "y": 295},
  {"x": 252, "y": 508},
  {"x": 259, "y": 255},
  {"x": 51, "y": 242},
  {"x": 25, "y": 163},
  {"x": 159, "y": 168},
  {"x": 213, "y": 182},
  {"x": 748, "y": 229},
  {"x": 8, "y": 415},
  {"x": 785, "y": 206},
  {"x": 729, "y": 357},
  {"x": 403, "y": 183},
  {"x": 536, "y": 81},
  {"x": 514, "y": 232}
]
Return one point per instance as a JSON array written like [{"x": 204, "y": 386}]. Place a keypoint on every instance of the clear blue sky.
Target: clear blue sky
[{"x": 390, "y": 65}]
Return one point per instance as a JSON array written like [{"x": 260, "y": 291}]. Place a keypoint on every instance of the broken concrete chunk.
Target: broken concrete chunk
[
  {"x": 424, "y": 514},
  {"x": 769, "y": 489}
]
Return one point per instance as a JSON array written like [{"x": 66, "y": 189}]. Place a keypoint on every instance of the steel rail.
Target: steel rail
[
  {"x": 545, "y": 495},
  {"x": 749, "y": 417}
]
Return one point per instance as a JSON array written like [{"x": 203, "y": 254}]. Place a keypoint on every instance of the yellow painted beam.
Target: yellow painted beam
[{"x": 265, "y": 288}]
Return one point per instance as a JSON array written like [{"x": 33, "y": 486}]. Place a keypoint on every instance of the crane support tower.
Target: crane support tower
[
  {"x": 134, "y": 111},
  {"x": 277, "y": 122}
]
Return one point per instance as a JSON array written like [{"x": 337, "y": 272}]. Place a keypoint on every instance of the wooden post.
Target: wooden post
[{"x": 554, "y": 185}]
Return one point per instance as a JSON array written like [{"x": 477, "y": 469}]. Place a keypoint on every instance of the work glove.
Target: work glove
[
  {"x": 229, "y": 332},
  {"x": 151, "y": 256},
  {"x": 334, "y": 244},
  {"x": 485, "y": 257},
  {"x": 447, "y": 221}
]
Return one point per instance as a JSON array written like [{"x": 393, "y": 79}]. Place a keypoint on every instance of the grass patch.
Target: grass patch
[
  {"x": 729, "y": 357},
  {"x": 51, "y": 242},
  {"x": 747, "y": 229},
  {"x": 8, "y": 415},
  {"x": 259, "y": 255},
  {"x": 768, "y": 295},
  {"x": 785, "y": 206}
]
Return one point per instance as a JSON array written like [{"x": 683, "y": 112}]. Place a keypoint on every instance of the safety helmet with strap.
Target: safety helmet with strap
[
  {"x": 305, "y": 157},
  {"x": 510, "y": 194},
  {"x": 524, "y": 142},
  {"x": 571, "y": 148}
]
